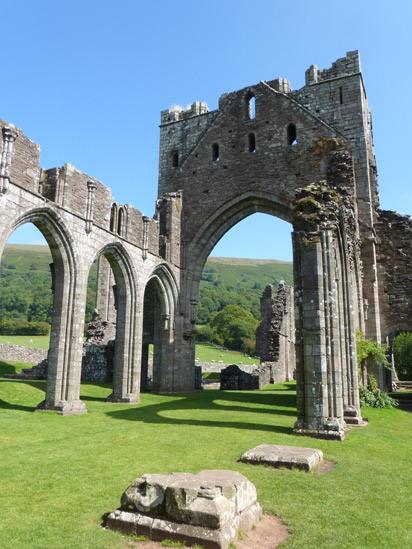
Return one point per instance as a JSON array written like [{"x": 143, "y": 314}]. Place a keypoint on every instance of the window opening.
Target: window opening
[
  {"x": 292, "y": 135},
  {"x": 215, "y": 152}
]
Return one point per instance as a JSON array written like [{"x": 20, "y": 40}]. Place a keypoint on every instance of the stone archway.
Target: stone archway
[
  {"x": 326, "y": 366},
  {"x": 66, "y": 330},
  {"x": 126, "y": 364},
  {"x": 159, "y": 311}
]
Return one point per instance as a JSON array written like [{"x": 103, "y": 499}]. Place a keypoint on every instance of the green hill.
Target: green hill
[
  {"x": 25, "y": 283},
  {"x": 25, "y": 289},
  {"x": 238, "y": 281}
]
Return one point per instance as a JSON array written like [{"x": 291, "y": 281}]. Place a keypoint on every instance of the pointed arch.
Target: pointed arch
[
  {"x": 159, "y": 311},
  {"x": 64, "y": 357},
  {"x": 126, "y": 364}
]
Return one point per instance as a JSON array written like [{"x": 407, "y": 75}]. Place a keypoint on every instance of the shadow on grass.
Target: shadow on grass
[
  {"x": 11, "y": 406},
  {"x": 207, "y": 401},
  {"x": 7, "y": 368},
  {"x": 37, "y": 384}
]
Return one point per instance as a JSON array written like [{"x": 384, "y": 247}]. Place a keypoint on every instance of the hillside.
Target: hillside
[
  {"x": 25, "y": 283},
  {"x": 25, "y": 289},
  {"x": 238, "y": 281}
]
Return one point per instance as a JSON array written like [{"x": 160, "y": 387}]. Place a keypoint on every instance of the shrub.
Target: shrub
[
  {"x": 23, "y": 327},
  {"x": 368, "y": 349},
  {"x": 204, "y": 333},
  {"x": 373, "y": 397},
  {"x": 402, "y": 351}
]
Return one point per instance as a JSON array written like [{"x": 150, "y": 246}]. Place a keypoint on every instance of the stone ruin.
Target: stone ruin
[
  {"x": 97, "y": 360},
  {"x": 98, "y": 350},
  {"x": 275, "y": 344},
  {"x": 209, "y": 508},
  {"x": 275, "y": 335},
  {"x": 240, "y": 378},
  {"x": 304, "y": 155}
]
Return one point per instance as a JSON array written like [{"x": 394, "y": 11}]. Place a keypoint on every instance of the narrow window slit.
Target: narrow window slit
[
  {"x": 215, "y": 152},
  {"x": 252, "y": 143},
  {"x": 175, "y": 159},
  {"x": 292, "y": 135},
  {"x": 250, "y": 104}
]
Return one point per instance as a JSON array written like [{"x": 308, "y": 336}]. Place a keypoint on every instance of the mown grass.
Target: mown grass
[
  {"x": 59, "y": 475},
  {"x": 35, "y": 342},
  {"x": 204, "y": 351},
  {"x": 210, "y": 353}
]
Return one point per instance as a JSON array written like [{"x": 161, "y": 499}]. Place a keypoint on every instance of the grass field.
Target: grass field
[
  {"x": 35, "y": 342},
  {"x": 204, "y": 352},
  {"x": 59, "y": 475}
]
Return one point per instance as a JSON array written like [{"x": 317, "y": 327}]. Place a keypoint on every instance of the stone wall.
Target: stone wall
[
  {"x": 97, "y": 363},
  {"x": 17, "y": 353},
  {"x": 275, "y": 336},
  {"x": 238, "y": 378},
  {"x": 394, "y": 233}
]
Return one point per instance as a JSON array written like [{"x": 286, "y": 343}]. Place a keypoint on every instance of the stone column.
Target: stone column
[
  {"x": 91, "y": 188},
  {"x": 105, "y": 301},
  {"x": 66, "y": 344},
  {"x": 352, "y": 412},
  {"x": 319, "y": 382},
  {"x": 127, "y": 349},
  {"x": 9, "y": 137}
]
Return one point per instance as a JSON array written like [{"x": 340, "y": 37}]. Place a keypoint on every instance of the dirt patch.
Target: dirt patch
[
  {"x": 268, "y": 534},
  {"x": 325, "y": 467}
]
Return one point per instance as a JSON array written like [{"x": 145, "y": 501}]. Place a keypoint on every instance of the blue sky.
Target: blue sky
[{"x": 87, "y": 80}]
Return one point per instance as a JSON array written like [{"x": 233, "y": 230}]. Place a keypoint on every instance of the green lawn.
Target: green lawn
[
  {"x": 59, "y": 475},
  {"x": 210, "y": 353},
  {"x": 204, "y": 351},
  {"x": 36, "y": 342}
]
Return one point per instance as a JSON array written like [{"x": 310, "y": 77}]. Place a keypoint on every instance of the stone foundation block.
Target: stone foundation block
[
  {"x": 208, "y": 508},
  {"x": 292, "y": 457}
]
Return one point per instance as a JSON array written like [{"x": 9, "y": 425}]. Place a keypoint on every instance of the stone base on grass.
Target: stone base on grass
[
  {"x": 292, "y": 457},
  {"x": 209, "y": 508}
]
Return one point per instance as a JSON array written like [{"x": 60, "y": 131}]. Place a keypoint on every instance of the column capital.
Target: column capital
[{"x": 10, "y": 133}]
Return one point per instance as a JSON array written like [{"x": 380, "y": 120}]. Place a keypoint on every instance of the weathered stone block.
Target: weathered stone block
[
  {"x": 208, "y": 508},
  {"x": 292, "y": 457}
]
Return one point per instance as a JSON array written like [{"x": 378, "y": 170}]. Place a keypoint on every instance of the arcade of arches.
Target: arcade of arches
[{"x": 266, "y": 149}]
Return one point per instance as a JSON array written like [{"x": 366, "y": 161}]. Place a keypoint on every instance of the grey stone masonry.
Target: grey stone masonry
[
  {"x": 209, "y": 508},
  {"x": 291, "y": 457},
  {"x": 305, "y": 156},
  {"x": 275, "y": 335},
  {"x": 18, "y": 353},
  {"x": 244, "y": 378}
]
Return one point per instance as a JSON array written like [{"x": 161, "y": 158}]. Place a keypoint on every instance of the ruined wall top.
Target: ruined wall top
[
  {"x": 71, "y": 191},
  {"x": 345, "y": 66}
]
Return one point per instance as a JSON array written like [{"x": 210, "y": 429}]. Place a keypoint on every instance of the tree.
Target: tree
[
  {"x": 234, "y": 327},
  {"x": 402, "y": 351}
]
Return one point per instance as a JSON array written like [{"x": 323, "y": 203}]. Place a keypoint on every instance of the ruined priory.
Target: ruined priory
[{"x": 303, "y": 155}]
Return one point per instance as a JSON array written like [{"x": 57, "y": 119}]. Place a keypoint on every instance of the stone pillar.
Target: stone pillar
[
  {"x": 352, "y": 412},
  {"x": 9, "y": 137},
  {"x": 66, "y": 344},
  {"x": 127, "y": 349},
  {"x": 318, "y": 376},
  {"x": 91, "y": 188},
  {"x": 105, "y": 298},
  {"x": 144, "y": 368}
]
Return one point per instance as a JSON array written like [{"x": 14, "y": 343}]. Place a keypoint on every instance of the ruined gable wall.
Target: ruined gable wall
[{"x": 275, "y": 167}]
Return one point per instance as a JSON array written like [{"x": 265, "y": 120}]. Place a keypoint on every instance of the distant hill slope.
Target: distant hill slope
[
  {"x": 227, "y": 280},
  {"x": 25, "y": 283}
]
